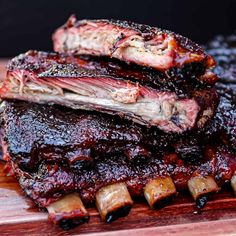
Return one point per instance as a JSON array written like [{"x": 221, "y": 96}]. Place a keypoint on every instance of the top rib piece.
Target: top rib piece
[{"x": 130, "y": 42}]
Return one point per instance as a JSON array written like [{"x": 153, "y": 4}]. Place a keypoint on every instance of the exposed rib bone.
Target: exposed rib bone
[
  {"x": 113, "y": 201},
  {"x": 68, "y": 211},
  {"x": 159, "y": 191},
  {"x": 200, "y": 186},
  {"x": 233, "y": 183}
]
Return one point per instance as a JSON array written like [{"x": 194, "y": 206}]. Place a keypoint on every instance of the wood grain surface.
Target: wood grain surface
[{"x": 19, "y": 216}]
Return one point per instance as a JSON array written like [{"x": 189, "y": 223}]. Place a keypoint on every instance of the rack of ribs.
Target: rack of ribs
[
  {"x": 94, "y": 161},
  {"x": 129, "y": 42},
  {"x": 119, "y": 111},
  {"x": 145, "y": 97}
]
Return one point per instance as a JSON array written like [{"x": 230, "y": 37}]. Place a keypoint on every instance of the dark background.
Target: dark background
[{"x": 28, "y": 24}]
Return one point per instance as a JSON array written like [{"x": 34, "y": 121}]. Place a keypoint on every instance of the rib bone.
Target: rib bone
[
  {"x": 159, "y": 191},
  {"x": 200, "y": 186},
  {"x": 69, "y": 211},
  {"x": 113, "y": 201},
  {"x": 233, "y": 183}
]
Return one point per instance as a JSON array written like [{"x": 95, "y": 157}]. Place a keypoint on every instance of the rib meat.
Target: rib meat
[
  {"x": 65, "y": 157},
  {"x": 55, "y": 153},
  {"x": 35, "y": 133},
  {"x": 129, "y": 42},
  {"x": 145, "y": 97},
  {"x": 79, "y": 137},
  {"x": 223, "y": 48},
  {"x": 62, "y": 156},
  {"x": 51, "y": 180},
  {"x": 84, "y": 152}
]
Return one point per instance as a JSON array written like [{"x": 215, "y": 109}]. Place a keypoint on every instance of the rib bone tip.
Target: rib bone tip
[
  {"x": 113, "y": 201},
  {"x": 159, "y": 191},
  {"x": 200, "y": 186},
  {"x": 233, "y": 183},
  {"x": 68, "y": 211}
]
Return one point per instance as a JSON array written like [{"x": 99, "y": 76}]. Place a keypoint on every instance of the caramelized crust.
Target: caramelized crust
[{"x": 129, "y": 42}]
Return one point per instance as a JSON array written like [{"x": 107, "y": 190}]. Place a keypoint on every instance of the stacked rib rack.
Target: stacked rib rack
[{"x": 119, "y": 111}]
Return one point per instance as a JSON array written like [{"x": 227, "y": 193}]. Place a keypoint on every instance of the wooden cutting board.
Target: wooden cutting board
[{"x": 18, "y": 215}]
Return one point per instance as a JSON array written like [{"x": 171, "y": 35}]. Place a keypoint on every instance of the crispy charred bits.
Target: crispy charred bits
[
  {"x": 215, "y": 165},
  {"x": 223, "y": 48},
  {"x": 77, "y": 83},
  {"x": 51, "y": 181},
  {"x": 52, "y": 65},
  {"x": 129, "y": 42},
  {"x": 36, "y": 133},
  {"x": 39, "y": 133},
  {"x": 47, "y": 172},
  {"x": 224, "y": 123},
  {"x": 29, "y": 129}
]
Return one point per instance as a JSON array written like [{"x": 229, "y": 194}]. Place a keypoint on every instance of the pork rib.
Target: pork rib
[
  {"x": 56, "y": 153},
  {"x": 51, "y": 181},
  {"x": 37, "y": 133},
  {"x": 86, "y": 145},
  {"x": 73, "y": 82},
  {"x": 129, "y": 42},
  {"x": 223, "y": 48}
]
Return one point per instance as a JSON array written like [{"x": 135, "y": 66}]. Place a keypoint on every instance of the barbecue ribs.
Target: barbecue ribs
[
  {"x": 148, "y": 98},
  {"x": 223, "y": 48},
  {"x": 67, "y": 150},
  {"x": 129, "y": 42},
  {"x": 56, "y": 154}
]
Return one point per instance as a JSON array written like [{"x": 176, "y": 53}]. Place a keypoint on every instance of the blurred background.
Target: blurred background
[{"x": 28, "y": 24}]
